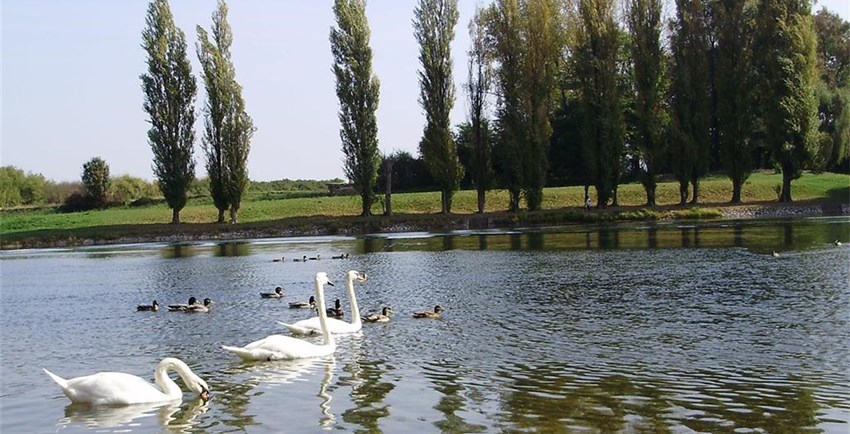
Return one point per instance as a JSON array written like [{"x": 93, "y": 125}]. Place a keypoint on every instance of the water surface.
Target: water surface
[{"x": 637, "y": 328}]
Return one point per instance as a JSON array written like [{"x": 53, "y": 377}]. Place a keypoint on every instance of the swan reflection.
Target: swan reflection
[{"x": 169, "y": 415}]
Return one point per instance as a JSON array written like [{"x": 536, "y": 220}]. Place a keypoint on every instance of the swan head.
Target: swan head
[
  {"x": 199, "y": 386},
  {"x": 355, "y": 275},
  {"x": 322, "y": 279}
]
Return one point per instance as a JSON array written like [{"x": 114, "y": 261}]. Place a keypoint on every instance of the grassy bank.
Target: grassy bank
[{"x": 338, "y": 213}]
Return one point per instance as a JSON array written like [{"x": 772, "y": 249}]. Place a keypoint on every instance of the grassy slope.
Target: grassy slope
[{"x": 714, "y": 190}]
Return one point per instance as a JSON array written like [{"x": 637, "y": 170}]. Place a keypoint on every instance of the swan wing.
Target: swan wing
[
  {"x": 280, "y": 347},
  {"x": 313, "y": 326},
  {"x": 110, "y": 388}
]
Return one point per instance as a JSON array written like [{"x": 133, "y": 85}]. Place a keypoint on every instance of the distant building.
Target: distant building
[{"x": 342, "y": 189}]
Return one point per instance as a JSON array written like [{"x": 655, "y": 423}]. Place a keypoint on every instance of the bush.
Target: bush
[{"x": 79, "y": 202}]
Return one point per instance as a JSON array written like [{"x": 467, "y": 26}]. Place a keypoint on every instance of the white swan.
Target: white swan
[
  {"x": 312, "y": 326},
  {"x": 280, "y": 347},
  {"x": 118, "y": 388}
]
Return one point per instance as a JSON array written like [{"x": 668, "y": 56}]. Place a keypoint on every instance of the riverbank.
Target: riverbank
[{"x": 355, "y": 225}]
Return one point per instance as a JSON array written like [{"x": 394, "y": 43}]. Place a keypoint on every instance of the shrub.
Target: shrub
[{"x": 79, "y": 202}]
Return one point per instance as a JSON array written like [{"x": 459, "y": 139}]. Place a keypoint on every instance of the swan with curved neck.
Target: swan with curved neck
[
  {"x": 280, "y": 347},
  {"x": 312, "y": 326},
  {"x": 118, "y": 388}
]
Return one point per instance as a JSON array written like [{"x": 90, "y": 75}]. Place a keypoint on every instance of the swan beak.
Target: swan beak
[
  {"x": 205, "y": 395},
  {"x": 330, "y": 283}
]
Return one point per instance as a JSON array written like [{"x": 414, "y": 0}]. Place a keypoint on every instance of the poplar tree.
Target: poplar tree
[
  {"x": 433, "y": 26},
  {"x": 786, "y": 58},
  {"x": 649, "y": 69},
  {"x": 691, "y": 110},
  {"x": 734, "y": 84},
  {"x": 169, "y": 89},
  {"x": 357, "y": 90},
  {"x": 228, "y": 129},
  {"x": 477, "y": 87},
  {"x": 503, "y": 29},
  {"x": 595, "y": 62}
]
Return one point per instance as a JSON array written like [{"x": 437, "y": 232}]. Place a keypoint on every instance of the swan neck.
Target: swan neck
[
  {"x": 323, "y": 315},
  {"x": 355, "y": 309},
  {"x": 165, "y": 383}
]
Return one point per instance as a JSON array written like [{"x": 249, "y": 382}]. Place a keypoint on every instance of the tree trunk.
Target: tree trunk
[
  {"x": 683, "y": 193},
  {"x": 388, "y": 193},
  {"x": 175, "y": 216},
  {"x": 614, "y": 201},
  {"x": 446, "y": 202},
  {"x": 695, "y": 198},
  {"x": 481, "y": 200},
  {"x": 786, "y": 185},
  {"x": 367, "y": 204},
  {"x": 736, "y": 190},
  {"x": 650, "y": 195},
  {"x": 234, "y": 210},
  {"x": 220, "y": 215},
  {"x": 513, "y": 201}
]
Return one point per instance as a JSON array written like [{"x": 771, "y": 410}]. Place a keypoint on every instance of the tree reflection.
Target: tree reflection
[
  {"x": 368, "y": 391},
  {"x": 445, "y": 376},
  {"x": 176, "y": 251},
  {"x": 232, "y": 249}
]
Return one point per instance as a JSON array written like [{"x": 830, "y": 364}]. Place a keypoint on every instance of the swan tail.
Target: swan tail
[
  {"x": 63, "y": 383},
  {"x": 294, "y": 329}
]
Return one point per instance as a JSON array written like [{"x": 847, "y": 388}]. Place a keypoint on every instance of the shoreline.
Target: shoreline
[{"x": 356, "y": 225}]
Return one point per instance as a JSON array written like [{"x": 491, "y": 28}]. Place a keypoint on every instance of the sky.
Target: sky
[{"x": 71, "y": 89}]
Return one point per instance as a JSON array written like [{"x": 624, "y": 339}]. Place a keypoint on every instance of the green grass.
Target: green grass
[{"x": 714, "y": 190}]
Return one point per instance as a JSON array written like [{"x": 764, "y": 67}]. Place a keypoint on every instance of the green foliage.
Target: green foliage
[
  {"x": 433, "y": 26},
  {"x": 785, "y": 52},
  {"x": 227, "y": 127},
  {"x": 833, "y": 48},
  {"x": 358, "y": 91},
  {"x": 96, "y": 180},
  {"x": 126, "y": 189},
  {"x": 18, "y": 188},
  {"x": 169, "y": 90}
]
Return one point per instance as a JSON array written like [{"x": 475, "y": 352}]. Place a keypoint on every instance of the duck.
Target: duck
[
  {"x": 303, "y": 259},
  {"x": 345, "y": 256},
  {"x": 148, "y": 307},
  {"x": 281, "y": 259},
  {"x": 199, "y": 308},
  {"x": 775, "y": 254},
  {"x": 278, "y": 293},
  {"x": 336, "y": 311},
  {"x": 335, "y": 326},
  {"x": 836, "y": 243},
  {"x": 309, "y": 304},
  {"x": 181, "y": 307},
  {"x": 281, "y": 347},
  {"x": 118, "y": 388},
  {"x": 438, "y": 312},
  {"x": 316, "y": 258},
  {"x": 384, "y": 316}
]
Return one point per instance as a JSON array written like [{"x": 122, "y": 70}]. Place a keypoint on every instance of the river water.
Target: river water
[{"x": 631, "y": 328}]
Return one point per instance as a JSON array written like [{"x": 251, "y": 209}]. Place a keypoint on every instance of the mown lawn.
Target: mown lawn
[{"x": 713, "y": 190}]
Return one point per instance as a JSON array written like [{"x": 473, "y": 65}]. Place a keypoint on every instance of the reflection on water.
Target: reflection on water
[
  {"x": 628, "y": 328},
  {"x": 171, "y": 416}
]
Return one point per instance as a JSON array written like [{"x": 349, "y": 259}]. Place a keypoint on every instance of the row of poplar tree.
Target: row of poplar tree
[{"x": 728, "y": 77}]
